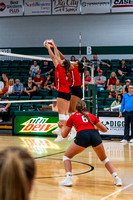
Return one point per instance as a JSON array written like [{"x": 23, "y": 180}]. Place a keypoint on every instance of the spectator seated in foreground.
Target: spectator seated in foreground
[{"x": 38, "y": 80}]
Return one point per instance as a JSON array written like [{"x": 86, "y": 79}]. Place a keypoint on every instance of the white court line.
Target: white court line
[{"x": 117, "y": 191}]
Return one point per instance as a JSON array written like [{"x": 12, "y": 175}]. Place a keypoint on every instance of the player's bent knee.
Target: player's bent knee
[
  {"x": 65, "y": 158},
  {"x": 106, "y": 160}
]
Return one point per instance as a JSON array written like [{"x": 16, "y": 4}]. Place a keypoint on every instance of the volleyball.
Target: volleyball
[{"x": 49, "y": 42}]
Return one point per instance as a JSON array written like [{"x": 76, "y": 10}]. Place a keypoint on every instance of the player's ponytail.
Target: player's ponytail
[
  {"x": 66, "y": 64},
  {"x": 81, "y": 67},
  {"x": 17, "y": 170},
  {"x": 81, "y": 107}
]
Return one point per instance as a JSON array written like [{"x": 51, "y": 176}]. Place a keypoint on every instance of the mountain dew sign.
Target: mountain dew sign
[{"x": 34, "y": 125}]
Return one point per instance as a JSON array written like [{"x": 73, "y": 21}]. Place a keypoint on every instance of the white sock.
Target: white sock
[
  {"x": 114, "y": 175},
  {"x": 68, "y": 174}
]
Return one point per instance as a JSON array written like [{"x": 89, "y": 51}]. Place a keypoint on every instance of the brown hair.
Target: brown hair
[
  {"x": 81, "y": 107},
  {"x": 17, "y": 170},
  {"x": 67, "y": 65}
]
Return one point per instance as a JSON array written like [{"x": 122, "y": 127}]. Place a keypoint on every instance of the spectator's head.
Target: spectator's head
[
  {"x": 119, "y": 98},
  {"x": 30, "y": 80},
  {"x": 118, "y": 82},
  {"x": 72, "y": 58},
  {"x": 17, "y": 81},
  {"x": 35, "y": 63},
  {"x": 48, "y": 74},
  {"x": 113, "y": 75},
  {"x": 84, "y": 59},
  {"x": 11, "y": 82},
  {"x": 38, "y": 75},
  {"x": 122, "y": 62},
  {"x": 87, "y": 73},
  {"x": 45, "y": 63},
  {"x": 17, "y": 171},
  {"x": 128, "y": 82},
  {"x": 100, "y": 72},
  {"x": 95, "y": 57},
  {"x": 130, "y": 89}
]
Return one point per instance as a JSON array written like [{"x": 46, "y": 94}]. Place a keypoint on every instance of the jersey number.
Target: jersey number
[{"x": 84, "y": 119}]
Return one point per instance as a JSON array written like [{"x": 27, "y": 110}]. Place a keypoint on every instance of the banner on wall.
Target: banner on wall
[
  {"x": 122, "y": 6},
  {"x": 115, "y": 125},
  {"x": 95, "y": 6},
  {"x": 11, "y": 8},
  {"x": 37, "y": 7},
  {"x": 65, "y": 7}
]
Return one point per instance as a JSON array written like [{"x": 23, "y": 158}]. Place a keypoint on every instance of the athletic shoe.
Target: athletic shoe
[
  {"x": 123, "y": 141},
  {"x": 131, "y": 141},
  {"x": 67, "y": 182},
  {"x": 118, "y": 182},
  {"x": 72, "y": 134},
  {"x": 57, "y": 131},
  {"x": 59, "y": 138}
]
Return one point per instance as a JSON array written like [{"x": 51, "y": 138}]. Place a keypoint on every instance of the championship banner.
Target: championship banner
[
  {"x": 114, "y": 125},
  {"x": 65, "y": 7},
  {"x": 122, "y": 6},
  {"x": 37, "y": 7},
  {"x": 11, "y": 8},
  {"x": 95, "y": 6}
]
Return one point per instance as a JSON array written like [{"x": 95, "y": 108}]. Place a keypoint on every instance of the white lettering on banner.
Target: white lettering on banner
[
  {"x": 89, "y": 52},
  {"x": 95, "y": 6},
  {"x": 11, "y": 8},
  {"x": 122, "y": 6},
  {"x": 5, "y": 50},
  {"x": 114, "y": 125},
  {"x": 37, "y": 7},
  {"x": 66, "y": 7}
]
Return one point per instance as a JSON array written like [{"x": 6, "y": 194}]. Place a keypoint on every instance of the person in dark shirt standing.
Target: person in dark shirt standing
[{"x": 127, "y": 105}]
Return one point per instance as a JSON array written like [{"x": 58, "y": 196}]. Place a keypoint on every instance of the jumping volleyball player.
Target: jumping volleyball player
[
  {"x": 62, "y": 86},
  {"x": 76, "y": 69},
  {"x": 87, "y": 135}
]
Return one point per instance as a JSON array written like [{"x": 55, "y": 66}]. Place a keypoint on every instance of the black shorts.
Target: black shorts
[
  {"x": 65, "y": 96},
  {"x": 88, "y": 138},
  {"x": 77, "y": 91}
]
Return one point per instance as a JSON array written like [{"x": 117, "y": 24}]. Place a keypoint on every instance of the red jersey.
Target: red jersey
[
  {"x": 80, "y": 122},
  {"x": 112, "y": 81},
  {"x": 38, "y": 79},
  {"x": 61, "y": 80},
  {"x": 76, "y": 78}
]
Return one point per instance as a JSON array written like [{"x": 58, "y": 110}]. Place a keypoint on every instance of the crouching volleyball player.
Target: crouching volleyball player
[{"x": 87, "y": 135}]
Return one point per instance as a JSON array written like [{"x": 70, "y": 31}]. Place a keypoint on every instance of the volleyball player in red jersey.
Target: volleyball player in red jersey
[
  {"x": 76, "y": 69},
  {"x": 62, "y": 86},
  {"x": 86, "y": 126}
]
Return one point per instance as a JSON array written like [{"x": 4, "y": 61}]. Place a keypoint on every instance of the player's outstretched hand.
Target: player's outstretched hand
[{"x": 4, "y": 77}]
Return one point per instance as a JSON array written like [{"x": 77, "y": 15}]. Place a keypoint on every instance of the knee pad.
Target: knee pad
[
  {"x": 106, "y": 160},
  {"x": 62, "y": 117},
  {"x": 65, "y": 158}
]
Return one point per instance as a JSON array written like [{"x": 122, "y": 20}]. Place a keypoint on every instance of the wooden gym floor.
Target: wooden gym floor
[{"x": 91, "y": 181}]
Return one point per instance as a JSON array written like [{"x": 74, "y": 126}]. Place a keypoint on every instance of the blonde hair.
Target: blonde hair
[
  {"x": 111, "y": 75},
  {"x": 81, "y": 107},
  {"x": 11, "y": 80},
  {"x": 17, "y": 170}
]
